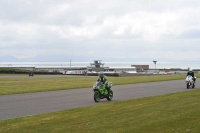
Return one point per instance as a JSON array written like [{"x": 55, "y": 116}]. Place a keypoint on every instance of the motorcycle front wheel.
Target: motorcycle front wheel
[
  {"x": 187, "y": 85},
  {"x": 97, "y": 96}
]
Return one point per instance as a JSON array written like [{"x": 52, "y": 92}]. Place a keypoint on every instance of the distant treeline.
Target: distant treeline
[{"x": 21, "y": 71}]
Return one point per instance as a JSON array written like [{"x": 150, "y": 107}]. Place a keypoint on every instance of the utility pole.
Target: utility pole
[
  {"x": 70, "y": 63},
  {"x": 155, "y": 65}
]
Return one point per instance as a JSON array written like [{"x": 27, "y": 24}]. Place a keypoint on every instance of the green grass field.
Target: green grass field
[
  {"x": 29, "y": 85},
  {"x": 13, "y": 74},
  {"x": 171, "y": 113}
]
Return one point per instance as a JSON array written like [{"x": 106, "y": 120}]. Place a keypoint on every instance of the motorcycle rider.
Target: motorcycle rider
[
  {"x": 103, "y": 79},
  {"x": 31, "y": 73},
  {"x": 191, "y": 73}
]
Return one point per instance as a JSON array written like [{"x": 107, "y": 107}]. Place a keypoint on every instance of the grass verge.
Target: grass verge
[
  {"x": 29, "y": 85},
  {"x": 171, "y": 113},
  {"x": 13, "y": 74}
]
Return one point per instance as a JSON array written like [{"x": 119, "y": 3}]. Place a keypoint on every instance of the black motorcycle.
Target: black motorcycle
[{"x": 31, "y": 74}]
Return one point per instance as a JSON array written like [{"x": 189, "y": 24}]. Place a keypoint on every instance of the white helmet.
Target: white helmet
[{"x": 101, "y": 74}]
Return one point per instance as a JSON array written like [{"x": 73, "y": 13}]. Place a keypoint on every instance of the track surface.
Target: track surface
[{"x": 20, "y": 105}]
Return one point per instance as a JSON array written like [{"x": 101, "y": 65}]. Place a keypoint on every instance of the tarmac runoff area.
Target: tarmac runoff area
[{"x": 21, "y": 105}]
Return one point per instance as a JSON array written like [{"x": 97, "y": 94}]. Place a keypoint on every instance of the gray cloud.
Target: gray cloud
[
  {"x": 195, "y": 33},
  {"x": 111, "y": 29}
]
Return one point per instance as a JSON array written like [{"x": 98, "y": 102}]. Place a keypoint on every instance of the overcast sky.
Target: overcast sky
[{"x": 110, "y": 30}]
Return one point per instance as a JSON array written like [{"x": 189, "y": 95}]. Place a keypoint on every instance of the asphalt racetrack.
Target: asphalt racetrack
[{"x": 20, "y": 105}]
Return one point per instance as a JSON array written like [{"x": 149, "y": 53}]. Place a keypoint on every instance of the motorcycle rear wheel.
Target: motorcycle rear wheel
[
  {"x": 193, "y": 86},
  {"x": 110, "y": 95}
]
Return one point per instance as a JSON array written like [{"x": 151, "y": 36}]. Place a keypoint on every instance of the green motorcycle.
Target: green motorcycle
[{"x": 100, "y": 92}]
